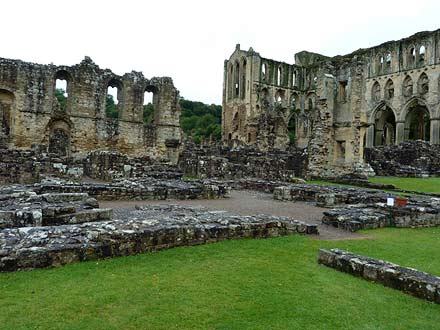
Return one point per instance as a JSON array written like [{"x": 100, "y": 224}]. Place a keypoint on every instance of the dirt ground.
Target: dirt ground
[{"x": 250, "y": 203}]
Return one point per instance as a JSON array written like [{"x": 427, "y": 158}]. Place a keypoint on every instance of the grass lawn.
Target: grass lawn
[
  {"x": 244, "y": 284},
  {"x": 431, "y": 185}
]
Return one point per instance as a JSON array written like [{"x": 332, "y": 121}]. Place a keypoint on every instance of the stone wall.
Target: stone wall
[
  {"x": 240, "y": 163},
  {"x": 143, "y": 230},
  {"x": 408, "y": 159},
  {"x": 32, "y": 115},
  {"x": 146, "y": 189},
  {"x": 337, "y": 106},
  {"x": 411, "y": 281}
]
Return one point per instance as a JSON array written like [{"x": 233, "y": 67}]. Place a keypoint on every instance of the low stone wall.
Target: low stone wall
[
  {"x": 30, "y": 166},
  {"x": 244, "y": 162},
  {"x": 328, "y": 196},
  {"x": 147, "y": 189},
  {"x": 411, "y": 281},
  {"x": 354, "y": 218},
  {"x": 111, "y": 165},
  {"x": 146, "y": 229},
  {"x": 408, "y": 159}
]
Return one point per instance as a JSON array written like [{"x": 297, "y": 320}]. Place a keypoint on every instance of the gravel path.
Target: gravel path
[{"x": 250, "y": 203}]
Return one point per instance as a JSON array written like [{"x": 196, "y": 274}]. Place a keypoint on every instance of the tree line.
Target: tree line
[{"x": 199, "y": 121}]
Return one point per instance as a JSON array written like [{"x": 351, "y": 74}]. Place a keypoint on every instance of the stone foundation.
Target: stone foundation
[
  {"x": 354, "y": 218},
  {"x": 22, "y": 207},
  {"x": 328, "y": 196},
  {"x": 408, "y": 280},
  {"x": 146, "y": 229},
  {"x": 146, "y": 189}
]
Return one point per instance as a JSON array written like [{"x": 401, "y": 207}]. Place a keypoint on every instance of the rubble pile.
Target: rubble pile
[
  {"x": 408, "y": 159},
  {"x": 222, "y": 162},
  {"x": 21, "y": 206}
]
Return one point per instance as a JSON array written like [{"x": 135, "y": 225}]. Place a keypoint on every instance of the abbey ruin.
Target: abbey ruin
[
  {"x": 336, "y": 107},
  {"x": 32, "y": 117},
  {"x": 376, "y": 110}
]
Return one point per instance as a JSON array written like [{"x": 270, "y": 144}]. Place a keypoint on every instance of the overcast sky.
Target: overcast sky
[{"x": 189, "y": 40}]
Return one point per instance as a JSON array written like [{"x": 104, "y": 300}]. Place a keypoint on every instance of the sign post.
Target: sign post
[{"x": 390, "y": 204}]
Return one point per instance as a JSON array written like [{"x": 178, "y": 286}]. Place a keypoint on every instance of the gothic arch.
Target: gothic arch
[
  {"x": 380, "y": 107},
  {"x": 412, "y": 102},
  {"x": 58, "y": 135}
]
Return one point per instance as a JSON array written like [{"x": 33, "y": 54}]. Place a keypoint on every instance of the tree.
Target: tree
[
  {"x": 148, "y": 113},
  {"x": 62, "y": 99},
  {"x": 111, "y": 109},
  {"x": 201, "y": 121}
]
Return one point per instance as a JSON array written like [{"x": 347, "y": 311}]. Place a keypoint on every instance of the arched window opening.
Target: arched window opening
[
  {"x": 423, "y": 84},
  {"x": 113, "y": 99},
  {"x": 62, "y": 88},
  {"x": 249, "y": 138},
  {"x": 263, "y": 71},
  {"x": 6, "y": 103},
  {"x": 293, "y": 102},
  {"x": 389, "y": 90},
  {"x": 384, "y": 127},
  {"x": 422, "y": 53},
  {"x": 148, "y": 107},
  {"x": 417, "y": 124},
  {"x": 388, "y": 62},
  {"x": 243, "y": 80},
  {"x": 265, "y": 98},
  {"x": 291, "y": 128},
  {"x": 375, "y": 92},
  {"x": 408, "y": 87},
  {"x": 230, "y": 82},
  {"x": 380, "y": 64},
  {"x": 310, "y": 104},
  {"x": 342, "y": 93},
  {"x": 293, "y": 79},
  {"x": 412, "y": 57},
  {"x": 237, "y": 81},
  {"x": 279, "y": 98},
  {"x": 279, "y": 73}
]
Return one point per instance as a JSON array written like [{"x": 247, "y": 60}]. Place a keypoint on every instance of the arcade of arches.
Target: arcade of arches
[{"x": 385, "y": 129}]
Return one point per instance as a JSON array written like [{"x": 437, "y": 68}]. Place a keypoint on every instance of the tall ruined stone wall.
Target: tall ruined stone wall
[
  {"x": 31, "y": 114},
  {"x": 337, "y": 106}
]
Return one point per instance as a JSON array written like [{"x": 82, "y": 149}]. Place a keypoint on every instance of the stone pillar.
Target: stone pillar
[
  {"x": 434, "y": 133},
  {"x": 400, "y": 132},
  {"x": 369, "y": 143}
]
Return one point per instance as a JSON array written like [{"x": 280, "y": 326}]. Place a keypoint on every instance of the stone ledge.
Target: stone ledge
[{"x": 411, "y": 281}]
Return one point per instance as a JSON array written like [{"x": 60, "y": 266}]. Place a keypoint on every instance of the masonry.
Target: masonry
[
  {"x": 32, "y": 117},
  {"x": 338, "y": 106}
]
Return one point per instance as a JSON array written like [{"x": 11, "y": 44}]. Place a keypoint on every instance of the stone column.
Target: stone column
[
  {"x": 400, "y": 132},
  {"x": 369, "y": 143},
  {"x": 434, "y": 133}
]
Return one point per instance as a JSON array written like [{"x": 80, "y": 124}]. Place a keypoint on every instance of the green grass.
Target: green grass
[
  {"x": 429, "y": 185},
  {"x": 244, "y": 284}
]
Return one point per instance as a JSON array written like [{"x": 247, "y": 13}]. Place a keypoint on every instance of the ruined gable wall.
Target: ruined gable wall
[{"x": 36, "y": 114}]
